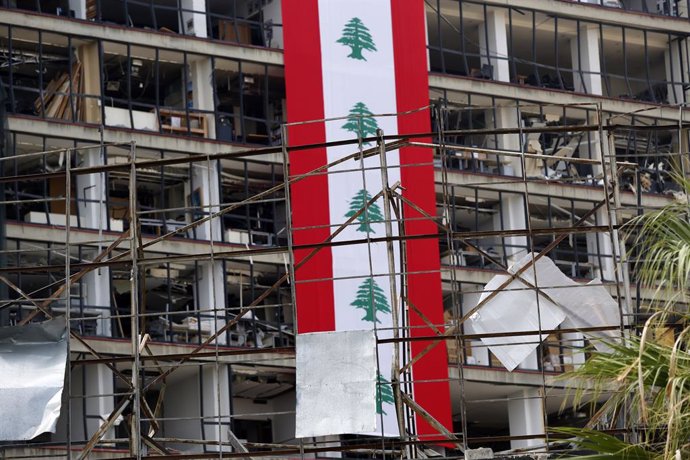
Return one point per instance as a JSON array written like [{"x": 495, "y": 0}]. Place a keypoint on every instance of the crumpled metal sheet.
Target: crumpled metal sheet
[
  {"x": 514, "y": 309},
  {"x": 585, "y": 305},
  {"x": 335, "y": 383},
  {"x": 33, "y": 359}
]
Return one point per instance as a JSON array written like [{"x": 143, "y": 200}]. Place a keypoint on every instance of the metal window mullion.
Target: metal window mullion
[
  {"x": 274, "y": 210},
  {"x": 152, "y": 8},
  {"x": 163, "y": 203},
  {"x": 534, "y": 47},
  {"x": 129, "y": 85},
  {"x": 598, "y": 246},
  {"x": 71, "y": 89},
  {"x": 646, "y": 67},
  {"x": 579, "y": 58},
  {"x": 208, "y": 19},
  {"x": 549, "y": 220},
  {"x": 265, "y": 101},
  {"x": 202, "y": 418},
  {"x": 243, "y": 126},
  {"x": 216, "y": 99},
  {"x": 252, "y": 289},
  {"x": 10, "y": 82},
  {"x": 46, "y": 187},
  {"x": 247, "y": 210},
  {"x": 40, "y": 74},
  {"x": 476, "y": 218},
  {"x": 670, "y": 63},
  {"x": 556, "y": 49},
  {"x": 192, "y": 207},
  {"x": 602, "y": 61},
  {"x": 502, "y": 223},
  {"x": 625, "y": 63},
  {"x": 576, "y": 254},
  {"x": 486, "y": 39},
  {"x": 157, "y": 85},
  {"x": 101, "y": 74},
  {"x": 463, "y": 38},
  {"x": 683, "y": 64},
  {"x": 440, "y": 36},
  {"x": 186, "y": 74},
  {"x": 511, "y": 57}
]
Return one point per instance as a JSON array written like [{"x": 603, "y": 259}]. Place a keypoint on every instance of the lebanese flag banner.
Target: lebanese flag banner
[{"x": 351, "y": 59}]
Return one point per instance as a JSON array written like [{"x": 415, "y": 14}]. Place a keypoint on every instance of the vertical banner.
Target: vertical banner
[{"x": 351, "y": 59}]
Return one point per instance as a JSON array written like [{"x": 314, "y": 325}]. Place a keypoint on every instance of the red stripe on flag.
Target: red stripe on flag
[
  {"x": 412, "y": 90},
  {"x": 309, "y": 197}
]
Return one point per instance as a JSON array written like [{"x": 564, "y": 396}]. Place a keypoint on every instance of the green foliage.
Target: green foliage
[
  {"x": 361, "y": 121},
  {"x": 371, "y": 213},
  {"x": 358, "y": 38},
  {"x": 662, "y": 243},
  {"x": 609, "y": 447},
  {"x": 646, "y": 377},
  {"x": 384, "y": 393},
  {"x": 371, "y": 298}
]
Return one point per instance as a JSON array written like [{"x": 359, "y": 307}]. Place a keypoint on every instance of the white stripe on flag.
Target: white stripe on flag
[{"x": 359, "y": 77}]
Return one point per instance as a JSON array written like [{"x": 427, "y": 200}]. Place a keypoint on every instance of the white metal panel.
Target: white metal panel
[
  {"x": 33, "y": 360},
  {"x": 336, "y": 383}
]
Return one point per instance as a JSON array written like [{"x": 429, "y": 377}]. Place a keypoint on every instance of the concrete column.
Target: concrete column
[
  {"x": 201, "y": 75},
  {"x": 495, "y": 51},
  {"x": 97, "y": 298},
  {"x": 190, "y": 397},
  {"x": 477, "y": 351},
  {"x": 79, "y": 8},
  {"x": 506, "y": 117},
  {"x": 575, "y": 343},
  {"x": 215, "y": 402},
  {"x": 526, "y": 417},
  {"x": 512, "y": 216},
  {"x": 599, "y": 244},
  {"x": 91, "y": 192},
  {"x": 92, "y": 403},
  {"x": 273, "y": 14},
  {"x": 99, "y": 381},
  {"x": 586, "y": 64},
  {"x": 204, "y": 190},
  {"x": 193, "y": 18},
  {"x": 210, "y": 295},
  {"x": 512, "y": 212},
  {"x": 676, "y": 73}
]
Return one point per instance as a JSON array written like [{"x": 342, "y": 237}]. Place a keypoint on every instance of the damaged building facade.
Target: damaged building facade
[{"x": 552, "y": 123}]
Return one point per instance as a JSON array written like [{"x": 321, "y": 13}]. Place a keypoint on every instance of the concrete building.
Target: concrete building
[{"x": 93, "y": 84}]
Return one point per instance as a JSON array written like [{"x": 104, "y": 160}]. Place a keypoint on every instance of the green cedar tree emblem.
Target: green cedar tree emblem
[
  {"x": 371, "y": 298},
  {"x": 384, "y": 393},
  {"x": 358, "y": 38},
  {"x": 361, "y": 121},
  {"x": 372, "y": 213}
]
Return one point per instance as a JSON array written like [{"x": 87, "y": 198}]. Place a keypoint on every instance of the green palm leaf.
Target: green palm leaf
[{"x": 608, "y": 447}]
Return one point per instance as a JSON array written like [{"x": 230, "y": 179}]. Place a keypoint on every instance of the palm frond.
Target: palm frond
[
  {"x": 661, "y": 240},
  {"x": 607, "y": 447}
]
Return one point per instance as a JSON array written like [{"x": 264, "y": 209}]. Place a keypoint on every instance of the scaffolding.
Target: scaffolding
[{"x": 150, "y": 375}]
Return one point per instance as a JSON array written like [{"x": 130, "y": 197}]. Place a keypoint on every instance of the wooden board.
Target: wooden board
[{"x": 233, "y": 32}]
